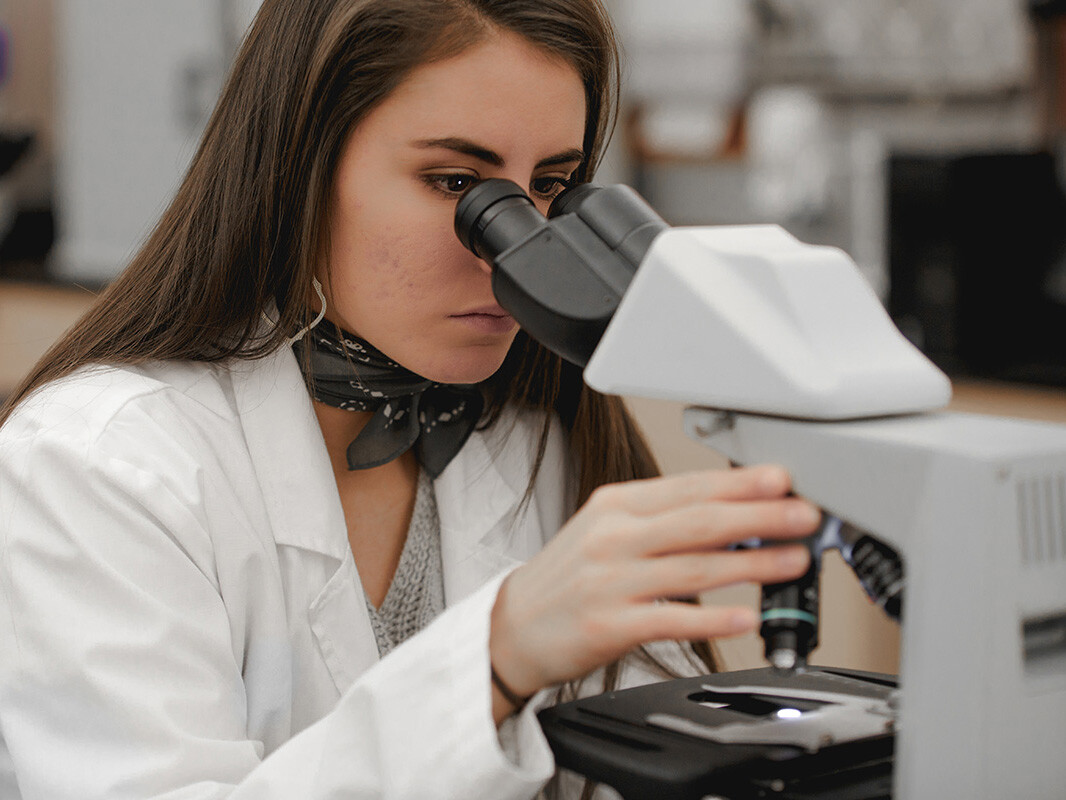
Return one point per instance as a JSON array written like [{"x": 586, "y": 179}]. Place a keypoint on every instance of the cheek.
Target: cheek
[
  {"x": 401, "y": 265},
  {"x": 388, "y": 269}
]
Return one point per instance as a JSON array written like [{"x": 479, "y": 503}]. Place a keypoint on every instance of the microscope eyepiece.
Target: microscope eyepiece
[
  {"x": 616, "y": 214},
  {"x": 561, "y": 278},
  {"x": 568, "y": 201},
  {"x": 494, "y": 215}
]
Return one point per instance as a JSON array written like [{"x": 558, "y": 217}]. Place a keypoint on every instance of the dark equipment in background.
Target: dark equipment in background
[
  {"x": 1047, "y": 9},
  {"x": 978, "y": 263},
  {"x": 978, "y": 241}
]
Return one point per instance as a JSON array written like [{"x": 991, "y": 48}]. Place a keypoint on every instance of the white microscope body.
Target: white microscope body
[{"x": 788, "y": 357}]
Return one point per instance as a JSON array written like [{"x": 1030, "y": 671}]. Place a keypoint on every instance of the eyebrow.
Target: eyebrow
[{"x": 469, "y": 148}]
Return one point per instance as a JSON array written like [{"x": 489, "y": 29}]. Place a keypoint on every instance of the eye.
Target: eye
[
  {"x": 549, "y": 186},
  {"x": 450, "y": 184}
]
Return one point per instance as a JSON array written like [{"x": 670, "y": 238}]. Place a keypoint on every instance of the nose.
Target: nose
[{"x": 475, "y": 262}]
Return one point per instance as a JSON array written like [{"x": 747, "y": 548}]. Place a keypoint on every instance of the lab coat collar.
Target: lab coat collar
[
  {"x": 479, "y": 493},
  {"x": 289, "y": 454},
  {"x": 484, "y": 527}
]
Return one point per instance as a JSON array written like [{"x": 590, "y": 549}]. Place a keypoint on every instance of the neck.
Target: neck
[{"x": 377, "y": 502}]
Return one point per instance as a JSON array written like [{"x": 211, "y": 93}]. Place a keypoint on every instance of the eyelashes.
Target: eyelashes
[
  {"x": 454, "y": 185},
  {"x": 549, "y": 187}
]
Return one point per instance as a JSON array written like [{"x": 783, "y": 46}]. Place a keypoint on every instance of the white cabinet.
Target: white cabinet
[{"x": 136, "y": 82}]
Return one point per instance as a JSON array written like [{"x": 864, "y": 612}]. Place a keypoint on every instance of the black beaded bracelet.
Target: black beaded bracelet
[{"x": 507, "y": 692}]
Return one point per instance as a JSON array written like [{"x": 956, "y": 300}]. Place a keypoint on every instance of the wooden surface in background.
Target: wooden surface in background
[
  {"x": 1009, "y": 400},
  {"x": 32, "y": 317}
]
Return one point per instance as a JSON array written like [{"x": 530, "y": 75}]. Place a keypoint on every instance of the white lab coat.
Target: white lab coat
[{"x": 181, "y": 616}]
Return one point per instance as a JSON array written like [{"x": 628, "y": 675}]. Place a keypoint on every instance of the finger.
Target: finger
[
  {"x": 689, "y": 575},
  {"x": 716, "y": 525},
  {"x": 703, "y": 527},
  {"x": 655, "y": 495}
]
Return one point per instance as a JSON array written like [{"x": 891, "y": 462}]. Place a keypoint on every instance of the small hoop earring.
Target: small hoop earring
[
  {"x": 303, "y": 332},
  {"x": 321, "y": 314}
]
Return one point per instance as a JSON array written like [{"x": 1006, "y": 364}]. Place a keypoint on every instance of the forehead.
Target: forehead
[{"x": 503, "y": 92}]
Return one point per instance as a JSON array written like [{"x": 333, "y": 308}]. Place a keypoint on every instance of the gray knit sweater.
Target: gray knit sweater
[{"x": 416, "y": 594}]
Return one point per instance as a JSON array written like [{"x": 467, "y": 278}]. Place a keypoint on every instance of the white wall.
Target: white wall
[{"x": 136, "y": 80}]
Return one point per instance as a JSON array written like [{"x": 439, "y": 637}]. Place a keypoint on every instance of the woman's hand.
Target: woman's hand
[{"x": 597, "y": 590}]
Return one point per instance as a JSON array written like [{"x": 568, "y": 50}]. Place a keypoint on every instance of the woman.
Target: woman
[{"x": 299, "y": 426}]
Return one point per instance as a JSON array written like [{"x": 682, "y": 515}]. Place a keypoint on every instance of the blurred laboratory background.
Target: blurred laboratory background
[{"x": 925, "y": 137}]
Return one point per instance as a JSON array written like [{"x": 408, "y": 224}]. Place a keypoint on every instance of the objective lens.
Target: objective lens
[{"x": 790, "y": 620}]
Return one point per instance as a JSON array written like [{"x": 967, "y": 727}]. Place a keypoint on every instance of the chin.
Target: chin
[
  {"x": 465, "y": 376},
  {"x": 471, "y": 365}
]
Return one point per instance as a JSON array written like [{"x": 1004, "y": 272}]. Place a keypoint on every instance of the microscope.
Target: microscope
[{"x": 785, "y": 355}]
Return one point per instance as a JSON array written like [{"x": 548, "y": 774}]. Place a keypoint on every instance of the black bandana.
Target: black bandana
[{"x": 410, "y": 411}]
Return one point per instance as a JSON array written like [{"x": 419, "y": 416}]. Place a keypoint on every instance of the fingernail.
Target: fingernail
[
  {"x": 803, "y": 516},
  {"x": 792, "y": 557},
  {"x": 742, "y": 619},
  {"x": 773, "y": 480}
]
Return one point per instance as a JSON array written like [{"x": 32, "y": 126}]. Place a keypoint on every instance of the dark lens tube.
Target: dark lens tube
[
  {"x": 618, "y": 215},
  {"x": 494, "y": 216},
  {"x": 880, "y": 571},
  {"x": 790, "y": 620},
  {"x": 569, "y": 200}
]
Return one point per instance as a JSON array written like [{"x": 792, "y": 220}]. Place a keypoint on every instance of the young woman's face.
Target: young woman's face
[{"x": 399, "y": 277}]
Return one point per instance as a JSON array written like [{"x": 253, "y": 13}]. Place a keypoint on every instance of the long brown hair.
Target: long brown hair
[{"x": 247, "y": 227}]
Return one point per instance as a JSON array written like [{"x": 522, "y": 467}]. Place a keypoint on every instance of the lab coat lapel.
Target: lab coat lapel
[
  {"x": 289, "y": 455},
  {"x": 342, "y": 628},
  {"x": 297, "y": 485},
  {"x": 484, "y": 527}
]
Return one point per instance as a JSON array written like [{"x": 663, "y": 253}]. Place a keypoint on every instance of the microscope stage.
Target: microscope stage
[{"x": 823, "y": 733}]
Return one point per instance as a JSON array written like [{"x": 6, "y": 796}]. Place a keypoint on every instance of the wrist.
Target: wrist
[
  {"x": 510, "y": 670},
  {"x": 515, "y": 700}
]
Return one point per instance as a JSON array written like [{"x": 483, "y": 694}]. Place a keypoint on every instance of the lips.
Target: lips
[
  {"x": 486, "y": 311},
  {"x": 487, "y": 320}
]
